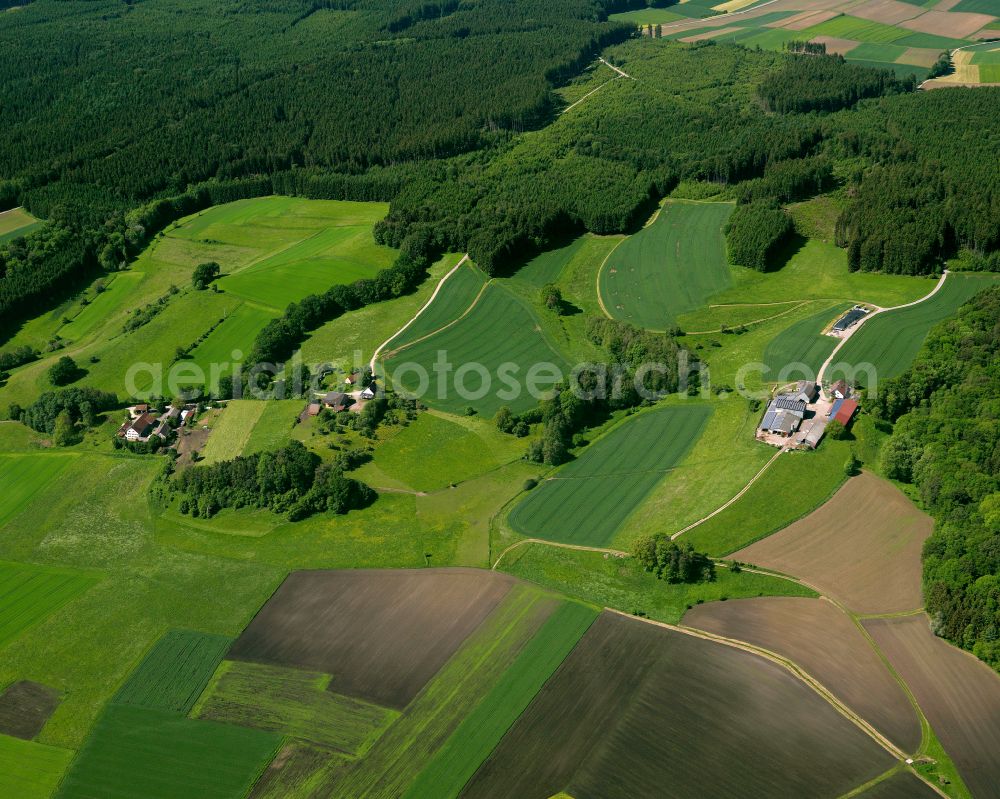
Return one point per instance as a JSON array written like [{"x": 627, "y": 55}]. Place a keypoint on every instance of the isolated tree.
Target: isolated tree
[
  {"x": 65, "y": 431},
  {"x": 63, "y": 371},
  {"x": 204, "y": 274},
  {"x": 552, "y": 297},
  {"x": 504, "y": 420},
  {"x": 836, "y": 430}
]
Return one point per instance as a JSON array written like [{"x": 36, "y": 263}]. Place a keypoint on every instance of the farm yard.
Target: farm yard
[
  {"x": 670, "y": 267},
  {"x": 588, "y": 500}
]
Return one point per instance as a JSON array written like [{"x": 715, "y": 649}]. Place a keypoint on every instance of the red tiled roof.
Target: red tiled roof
[{"x": 846, "y": 412}]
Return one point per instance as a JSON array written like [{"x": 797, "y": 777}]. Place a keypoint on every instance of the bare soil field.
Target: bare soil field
[
  {"x": 861, "y": 547},
  {"x": 959, "y": 694},
  {"x": 827, "y": 644},
  {"x": 956, "y": 24},
  {"x": 635, "y": 708},
  {"x": 904, "y": 785},
  {"x": 919, "y": 56},
  {"x": 888, "y": 11},
  {"x": 835, "y": 45},
  {"x": 25, "y": 707},
  {"x": 381, "y": 633}
]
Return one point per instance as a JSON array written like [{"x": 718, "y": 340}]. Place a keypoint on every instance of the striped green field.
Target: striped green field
[
  {"x": 29, "y": 593},
  {"x": 156, "y": 754},
  {"x": 501, "y": 330},
  {"x": 859, "y": 30},
  {"x": 295, "y": 703},
  {"x": 647, "y": 16},
  {"x": 175, "y": 672},
  {"x": 231, "y": 434},
  {"x": 587, "y": 500},
  {"x": 274, "y": 427},
  {"x": 890, "y": 341},
  {"x": 456, "y": 296},
  {"x": 876, "y": 52},
  {"x": 17, "y": 222},
  {"x": 802, "y": 343},
  {"x": 987, "y": 55},
  {"x": 479, "y": 733},
  {"x": 29, "y": 770},
  {"x": 22, "y": 476},
  {"x": 670, "y": 267}
]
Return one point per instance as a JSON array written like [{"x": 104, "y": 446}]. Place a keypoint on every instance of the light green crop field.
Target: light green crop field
[
  {"x": 796, "y": 484},
  {"x": 433, "y": 716},
  {"x": 157, "y": 754},
  {"x": 454, "y": 299},
  {"x": 339, "y": 254},
  {"x": 587, "y": 500},
  {"x": 349, "y": 341},
  {"x": 434, "y": 452},
  {"x": 860, "y": 30},
  {"x": 29, "y": 770},
  {"x": 30, "y": 593},
  {"x": 500, "y": 329},
  {"x": 274, "y": 427},
  {"x": 481, "y": 730},
  {"x": 989, "y": 54},
  {"x": 669, "y": 267},
  {"x": 175, "y": 672},
  {"x": 989, "y": 73},
  {"x": 819, "y": 271},
  {"x": 802, "y": 343},
  {"x": 622, "y": 584},
  {"x": 890, "y": 341},
  {"x": 295, "y": 703},
  {"x": 232, "y": 432},
  {"x": 236, "y": 334},
  {"x": 17, "y": 222},
  {"x": 23, "y": 476}
]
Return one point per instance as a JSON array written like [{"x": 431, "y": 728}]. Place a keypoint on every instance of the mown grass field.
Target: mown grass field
[
  {"x": 433, "y": 452},
  {"x": 175, "y": 672},
  {"x": 802, "y": 343},
  {"x": 669, "y": 267},
  {"x": 481, "y": 730},
  {"x": 157, "y": 754},
  {"x": 622, "y": 584},
  {"x": 500, "y": 329},
  {"x": 294, "y": 703},
  {"x": 30, "y": 770},
  {"x": 587, "y": 500},
  {"x": 30, "y": 593},
  {"x": 231, "y": 434},
  {"x": 274, "y": 427},
  {"x": 794, "y": 485},
  {"x": 890, "y": 341},
  {"x": 23, "y": 476}
]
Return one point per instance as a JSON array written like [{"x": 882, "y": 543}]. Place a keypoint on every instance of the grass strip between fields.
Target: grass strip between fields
[{"x": 482, "y": 729}]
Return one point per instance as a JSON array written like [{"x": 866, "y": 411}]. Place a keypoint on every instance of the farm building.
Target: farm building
[
  {"x": 312, "y": 409},
  {"x": 814, "y": 434},
  {"x": 336, "y": 401},
  {"x": 139, "y": 428},
  {"x": 845, "y": 412},
  {"x": 350, "y": 380},
  {"x": 805, "y": 391},
  {"x": 369, "y": 392},
  {"x": 849, "y": 319},
  {"x": 840, "y": 390},
  {"x": 783, "y": 416}
]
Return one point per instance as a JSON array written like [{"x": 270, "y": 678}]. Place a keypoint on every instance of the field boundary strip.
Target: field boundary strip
[
  {"x": 426, "y": 305},
  {"x": 754, "y": 321}
]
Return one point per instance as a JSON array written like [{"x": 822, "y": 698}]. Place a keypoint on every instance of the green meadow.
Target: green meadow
[
  {"x": 670, "y": 267},
  {"x": 231, "y": 434},
  {"x": 586, "y": 501},
  {"x": 29, "y": 770},
  {"x": 30, "y": 593},
  {"x": 23, "y": 476},
  {"x": 890, "y": 341}
]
